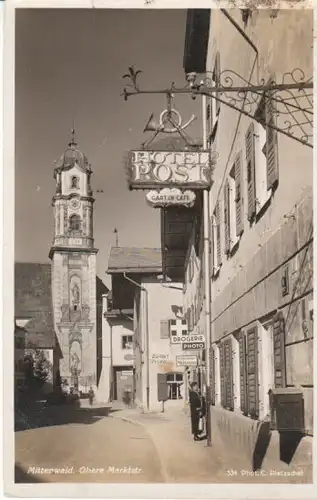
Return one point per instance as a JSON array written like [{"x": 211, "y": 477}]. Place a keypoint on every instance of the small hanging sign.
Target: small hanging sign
[{"x": 170, "y": 197}]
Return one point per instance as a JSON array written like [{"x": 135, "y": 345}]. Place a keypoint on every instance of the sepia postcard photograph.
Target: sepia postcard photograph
[{"x": 160, "y": 178}]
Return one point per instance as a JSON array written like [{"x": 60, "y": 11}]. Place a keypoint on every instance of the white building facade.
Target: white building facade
[{"x": 261, "y": 234}]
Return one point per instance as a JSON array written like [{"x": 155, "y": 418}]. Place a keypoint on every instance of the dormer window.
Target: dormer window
[{"x": 74, "y": 182}]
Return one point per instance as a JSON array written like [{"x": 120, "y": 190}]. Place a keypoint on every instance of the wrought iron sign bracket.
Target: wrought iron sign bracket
[{"x": 291, "y": 99}]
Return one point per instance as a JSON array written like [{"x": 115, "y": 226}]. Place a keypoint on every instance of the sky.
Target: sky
[{"x": 70, "y": 62}]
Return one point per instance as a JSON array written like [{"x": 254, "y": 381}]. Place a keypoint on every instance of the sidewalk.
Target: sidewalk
[{"x": 183, "y": 460}]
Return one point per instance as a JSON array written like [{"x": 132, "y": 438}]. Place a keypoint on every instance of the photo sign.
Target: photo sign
[{"x": 181, "y": 169}]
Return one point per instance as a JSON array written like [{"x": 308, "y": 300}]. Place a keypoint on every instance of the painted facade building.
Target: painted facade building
[{"x": 261, "y": 232}]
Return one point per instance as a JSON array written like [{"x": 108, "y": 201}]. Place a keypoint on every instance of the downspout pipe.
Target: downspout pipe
[
  {"x": 238, "y": 28},
  {"x": 147, "y": 344}
]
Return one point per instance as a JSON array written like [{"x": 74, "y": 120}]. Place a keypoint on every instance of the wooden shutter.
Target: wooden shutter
[
  {"x": 222, "y": 375},
  {"x": 250, "y": 157},
  {"x": 209, "y": 117},
  {"x": 193, "y": 315},
  {"x": 238, "y": 197},
  {"x": 243, "y": 374},
  {"x": 279, "y": 350},
  {"x": 228, "y": 373},
  {"x": 252, "y": 371},
  {"x": 217, "y": 80},
  {"x": 213, "y": 243},
  {"x": 227, "y": 216},
  {"x": 212, "y": 376},
  {"x": 271, "y": 144},
  {"x": 165, "y": 329},
  {"x": 218, "y": 236}
]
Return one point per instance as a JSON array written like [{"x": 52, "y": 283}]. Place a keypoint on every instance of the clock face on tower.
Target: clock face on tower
[{"x": 74, "y": 204}]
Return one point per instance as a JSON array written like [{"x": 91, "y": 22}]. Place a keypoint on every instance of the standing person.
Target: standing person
[
  {"x": 195, "y": 407},
  {"x": 91, "y": 396}
]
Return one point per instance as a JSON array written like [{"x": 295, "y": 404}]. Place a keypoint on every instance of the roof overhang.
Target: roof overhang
[
  {"x": 135, "y": 270},
  {"x": 196, "y": 40},
  {"x": 119, "y": 314},
  {"x": 176, "y": 227}
]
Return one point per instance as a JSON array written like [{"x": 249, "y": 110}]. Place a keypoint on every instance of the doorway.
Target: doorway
[{"x": 122, "y": 382}]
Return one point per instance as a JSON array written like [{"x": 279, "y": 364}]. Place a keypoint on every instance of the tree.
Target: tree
[{"x": 37, "y": 367}]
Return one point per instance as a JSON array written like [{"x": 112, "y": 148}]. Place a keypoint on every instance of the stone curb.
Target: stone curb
[{"x": 127, "y": 419}]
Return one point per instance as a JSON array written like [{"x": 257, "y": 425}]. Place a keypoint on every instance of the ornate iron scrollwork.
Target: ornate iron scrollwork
[{"x": 291, "y": 98}]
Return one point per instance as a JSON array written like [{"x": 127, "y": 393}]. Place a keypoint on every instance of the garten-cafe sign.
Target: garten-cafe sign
[{"x": 180, "y": 169}]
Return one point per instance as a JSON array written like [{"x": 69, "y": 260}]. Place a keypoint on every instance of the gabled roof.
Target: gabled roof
[
  {"x": 33, "y": 299},
  {"x": 135, "y": 260}
]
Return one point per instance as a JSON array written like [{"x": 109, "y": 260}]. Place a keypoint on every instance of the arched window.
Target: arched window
[
  {"x": 74, "y": 182},
  {"x": 74, "y": 223}
]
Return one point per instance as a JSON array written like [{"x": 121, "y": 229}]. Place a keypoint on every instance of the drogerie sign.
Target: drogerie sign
[{"x": 184, "y": 169}]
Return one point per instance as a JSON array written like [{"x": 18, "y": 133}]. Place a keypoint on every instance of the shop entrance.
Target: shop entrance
[{"x": 123, "y": 382}]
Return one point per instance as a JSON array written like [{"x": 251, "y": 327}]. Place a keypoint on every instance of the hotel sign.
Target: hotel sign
[
  {"x": 170, "y": 197},
  {"x": 181, "y": 169}
]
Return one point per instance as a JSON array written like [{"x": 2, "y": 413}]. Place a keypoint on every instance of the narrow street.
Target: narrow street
[
  {"x": 111, "y": 445},
  {"x": 89, "y": 445}
]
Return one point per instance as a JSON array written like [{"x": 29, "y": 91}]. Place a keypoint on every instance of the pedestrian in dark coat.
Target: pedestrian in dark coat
[
  {"x": 195, "y": 408},
  {"x": 91, "y": 396}
]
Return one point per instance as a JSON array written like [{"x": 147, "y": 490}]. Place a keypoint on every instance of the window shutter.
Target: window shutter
[
  {"x": 227, "y": 216},
  {"x": 193, "y": 316},
  {"x": 217, "y": 80},
  {"x": 243, "y": 374},
  {"x": 271, "y": 144},
  {"x": 212, "y": 376},
  {"x": 209, "y": 116},
  {"x": 250, "y": 157},
  {"x": 222, "y": 375},
  {"x": 252, "y": 370},
  {"x": 165, "y": 329},
  {"x": 228, "y": 373},
  {"x": 213, "y": 243},
  {"x": 238, "y": 199},
  {"x": 218, "y": 234},
  {"x": 279, "y": 350}
]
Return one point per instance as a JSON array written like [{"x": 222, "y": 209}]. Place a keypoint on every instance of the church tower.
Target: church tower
[{"x": 73, "y": 259}]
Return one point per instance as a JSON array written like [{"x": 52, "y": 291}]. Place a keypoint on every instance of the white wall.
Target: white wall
[
  {"x": 160, "y": 300},
  {"x": 119, "y": 329}
]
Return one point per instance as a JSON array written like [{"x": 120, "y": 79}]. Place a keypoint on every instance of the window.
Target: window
[
  {"x": 126, "y": 342},
  {"x": 174, "y": 382},
  {"x": 266, "y": 367},
  {"x": 213, "y": 105},
  {"x": 216, "y": 241},
  {"x": 261, "y": 157},
  {"x": 74, "y": 223},
  {"x": 262, "y": 365},
  {"x": 74, "y": 182},
  {"x": 233, "y": 210},
  {"x": 226, "y": 374}
]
